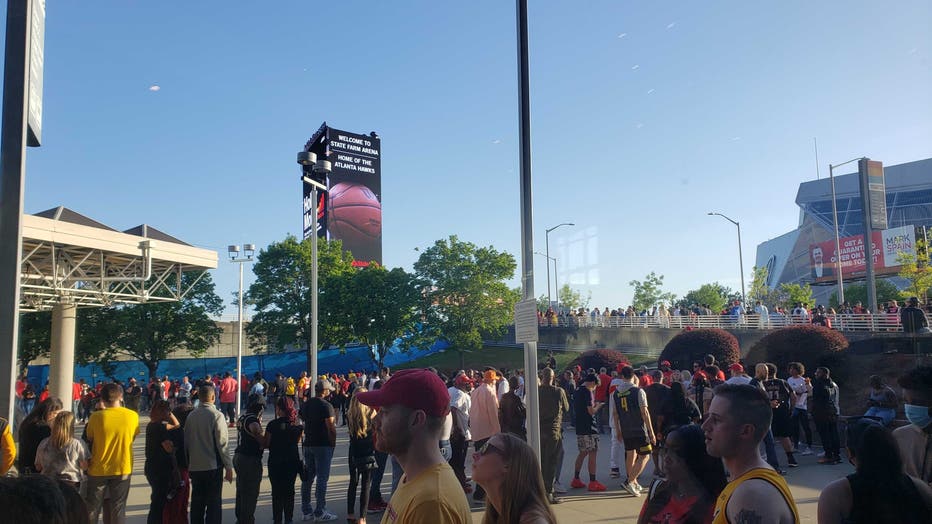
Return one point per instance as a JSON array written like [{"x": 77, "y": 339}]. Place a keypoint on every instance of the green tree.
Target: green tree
[
  {"x": 281, "y": 293},
  {"x": 715, "y": 295},
  {"x": 35, "y": 337},
  {"x": 649, "y": 292},
  {"x": 375, "y": 306},
  {"x": 792, "y": 294},
  {"x": 466, "y": 292},
  {"x": 917, "y": 270},
  {"x": 855, "y": 293},
  {"x": 572, "y": 298},
  {"x": 758, "y": 288},
  {"x": 150, "y": 332}
]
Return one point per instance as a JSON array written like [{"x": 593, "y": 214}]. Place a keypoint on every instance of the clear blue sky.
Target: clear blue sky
[{"x": 646, "y": 115}]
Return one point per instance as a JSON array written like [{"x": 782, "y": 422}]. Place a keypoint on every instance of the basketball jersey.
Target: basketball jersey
[
  {"x": 767, "y": 474},
  {"x": 628, "y": 410}
]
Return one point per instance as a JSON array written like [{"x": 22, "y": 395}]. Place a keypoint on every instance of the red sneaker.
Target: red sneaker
[
  {"x": 578, "y": 484},
  {"x": 595, "y": 485}
]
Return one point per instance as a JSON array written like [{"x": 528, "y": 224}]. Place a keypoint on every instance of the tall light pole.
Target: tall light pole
[
  {"x": 310, "y": 165},
  {"x": 840, "y": 277},
  {"x": 556, "y": 282},
  {"x": 527, "y": 218},
  {"x": 547, "y": 242},
  {"x": 744, "y": 298},
  {"x": 237, "y": 258}
]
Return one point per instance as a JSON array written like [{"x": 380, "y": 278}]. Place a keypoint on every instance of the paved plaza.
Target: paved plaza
[{"x": 579, "y": 506}]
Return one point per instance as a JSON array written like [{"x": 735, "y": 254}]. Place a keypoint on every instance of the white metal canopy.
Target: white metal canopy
[{"x": 68, "y": 257}]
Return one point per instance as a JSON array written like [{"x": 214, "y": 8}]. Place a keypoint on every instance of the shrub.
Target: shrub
[
  {"x": 598, "y": 358},
  {"x": 692, "y": 345},
  {"x": 812, "y": 345}
]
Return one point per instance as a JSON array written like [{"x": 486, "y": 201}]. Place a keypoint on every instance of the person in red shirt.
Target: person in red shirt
[
  {"x": 76, "y": 390},
  {"x": 228, "y": 398},
  {"x": 667, "y": 369}
]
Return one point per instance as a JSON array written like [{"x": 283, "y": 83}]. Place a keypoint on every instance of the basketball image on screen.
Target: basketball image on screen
[{"x": 355, "y": 215}]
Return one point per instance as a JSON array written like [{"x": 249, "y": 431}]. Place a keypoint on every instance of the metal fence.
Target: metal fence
[{"x": 880, "y": 322}]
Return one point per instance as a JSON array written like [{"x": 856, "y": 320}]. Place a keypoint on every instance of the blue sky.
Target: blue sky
[{"x": 645, "y": 115}]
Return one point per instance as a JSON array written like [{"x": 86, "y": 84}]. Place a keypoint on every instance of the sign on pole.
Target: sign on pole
[
  {"x": 526, "y": 321},
  {"x": 36, "y": 68},
  {"x": 877, "y": 194}
]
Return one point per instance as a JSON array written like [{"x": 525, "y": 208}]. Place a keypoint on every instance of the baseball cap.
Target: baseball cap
[
  {"x": 666, "y": 363},
  {"x": 323, "y": 385},
  {"x": 414, "y": 389},
  {"x": 736, "y": 367},
  {"x": 462, "y": 380}
]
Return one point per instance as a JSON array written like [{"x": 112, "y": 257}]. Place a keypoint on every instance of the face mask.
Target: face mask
[{"x": 917, "y": 415}]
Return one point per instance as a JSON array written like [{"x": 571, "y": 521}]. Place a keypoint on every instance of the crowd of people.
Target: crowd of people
[
  {"x": 702, "y": 430},
  {"x": 911, "y": 318}
]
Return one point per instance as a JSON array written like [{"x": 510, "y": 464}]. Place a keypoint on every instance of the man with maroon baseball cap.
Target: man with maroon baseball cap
[{"x": 412, "y": 407}]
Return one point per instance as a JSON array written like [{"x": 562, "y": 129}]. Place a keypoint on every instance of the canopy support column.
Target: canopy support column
[{"x": 61, "y": 359}]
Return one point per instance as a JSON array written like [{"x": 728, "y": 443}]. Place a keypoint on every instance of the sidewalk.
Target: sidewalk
[{"x": 579, "y": 506}]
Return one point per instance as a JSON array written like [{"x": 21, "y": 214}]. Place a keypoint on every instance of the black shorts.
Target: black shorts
[
  {"x": 639, "y": 445},
  {"x": 781, "y": 425}
]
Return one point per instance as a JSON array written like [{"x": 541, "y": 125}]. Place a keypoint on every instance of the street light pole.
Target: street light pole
[
  {"x": 554, "y": 260},
  {"x": 547, "y": 242},
  {"x": 308, "y": 162},
  {"x": 744, "y": 298},
  {"x": 234, "y": 252}
]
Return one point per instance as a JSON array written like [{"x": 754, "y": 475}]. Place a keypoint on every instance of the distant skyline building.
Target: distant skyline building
[{"x": 805, "y": 255}]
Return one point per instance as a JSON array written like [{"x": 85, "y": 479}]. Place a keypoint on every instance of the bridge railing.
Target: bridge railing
[{"x": 881, "y": 322}]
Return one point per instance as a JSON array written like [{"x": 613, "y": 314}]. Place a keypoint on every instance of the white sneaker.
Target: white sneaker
[
  {"x": 559, "y": 488},
  {"x": 631, "y": 489},
  {"x": 308, "y": 517},
  {"x": 638, "y": 487},
  {"x": 806, "y": 451},
  {"x": 822, "y": 454},
  {"x": 326, "y": 516}
]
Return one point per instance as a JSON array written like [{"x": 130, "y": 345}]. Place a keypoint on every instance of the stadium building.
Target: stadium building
[{"x": 806, "y": 254}]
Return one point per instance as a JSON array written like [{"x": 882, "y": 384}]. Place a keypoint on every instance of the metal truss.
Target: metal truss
[{"x": 53, "y": 273}]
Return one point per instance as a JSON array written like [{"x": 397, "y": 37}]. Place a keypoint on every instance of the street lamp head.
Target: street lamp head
[
  {"x": 710, "y": 213},
  {"x": 323, "y": 166},
  {"x": 249, "y": 249},
  {"x": 233, "y": 251},
  {"x": 307, "y": 158}
]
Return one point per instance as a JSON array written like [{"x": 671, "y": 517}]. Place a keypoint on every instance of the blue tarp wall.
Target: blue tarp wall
[{"x": 289, "y": 364}]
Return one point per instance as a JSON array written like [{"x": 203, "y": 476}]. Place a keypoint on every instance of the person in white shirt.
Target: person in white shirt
[
  {"x": 763, "y": 315},
  {"x": 800, "y": 417},
  {"x": 617, "y": 451}
]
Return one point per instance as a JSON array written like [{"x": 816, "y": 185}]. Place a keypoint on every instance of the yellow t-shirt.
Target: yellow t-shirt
[
  {"x": 433, "y": 497},
  {"x": 289, "y": 387},
  {"x": 111, "y": 433},
  {"x": 771, "y": 476}
]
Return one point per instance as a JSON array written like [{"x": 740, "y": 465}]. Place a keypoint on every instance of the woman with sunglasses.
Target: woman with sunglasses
[
  {"x": 694, "y": 479},
  {"x": 508, "y": 471}
]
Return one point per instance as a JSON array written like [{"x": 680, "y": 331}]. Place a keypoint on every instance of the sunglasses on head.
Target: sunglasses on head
[{"x": 488, "y": 447}]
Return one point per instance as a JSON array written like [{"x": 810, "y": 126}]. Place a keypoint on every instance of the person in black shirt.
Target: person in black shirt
[
  {"x": 247, "y": 459},
  {"x": 133, "y": 395},
  {"x": 281, "y": 437},
  {"x": 33, "y": 430},
  {"x": 633, "y": 425},
  {"x": 587, "y": 432},
  {"x": 782, "y": 398},
  {"x": 177, "y": 508},
  {"x": 912, "y": 317},
  {"x": 825, "y": 415},
  {"x": 320, "y": 438},
  {"x": 160, "y": 450}
]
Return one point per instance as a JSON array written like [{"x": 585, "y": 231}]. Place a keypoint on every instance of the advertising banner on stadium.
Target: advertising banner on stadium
[
  {"x": 887, "y": 245},
  {"x": 351, "y": 209}
]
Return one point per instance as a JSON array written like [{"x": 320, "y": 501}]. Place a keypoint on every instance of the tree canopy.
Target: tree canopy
[
  {"x": 649, "y": 292},
  {"x": 466, "y": 291},
  {"x": 715, "y": 295},
  {"x": 281, "y": 293}
]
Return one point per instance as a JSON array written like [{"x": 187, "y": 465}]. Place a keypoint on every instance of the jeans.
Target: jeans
[
  {"x": 800, "y": 417},
  {"x": 375, "y": 486},
  {"x": 158, "y": 499},
  {"x": 827, "y": 427},
  {"x": 357, "y": 478},
  {"x": 887, "y": 414},
  {"x": 771, "y": 451},
  {"x": 248, "y": 477},
  {"x": 229, "y": 409},
  {"x": 459, "y": 449},
  {"x": 317, "y": 460},
  {"x": 206, "y": 487},
  {"x": 616, "y": 453},
  {"x": 282, "y": 477},
  {"x": 94, "y": 497}
]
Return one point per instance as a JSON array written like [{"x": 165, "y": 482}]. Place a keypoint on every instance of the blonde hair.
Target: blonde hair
[
  {"x": 62, "y": 429},
  {"x": 358, "y": 416},
  {"x": 760, "y": 372}
]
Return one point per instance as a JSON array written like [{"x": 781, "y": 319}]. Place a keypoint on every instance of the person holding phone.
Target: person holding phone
[{"x": 587, "y": 432}]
